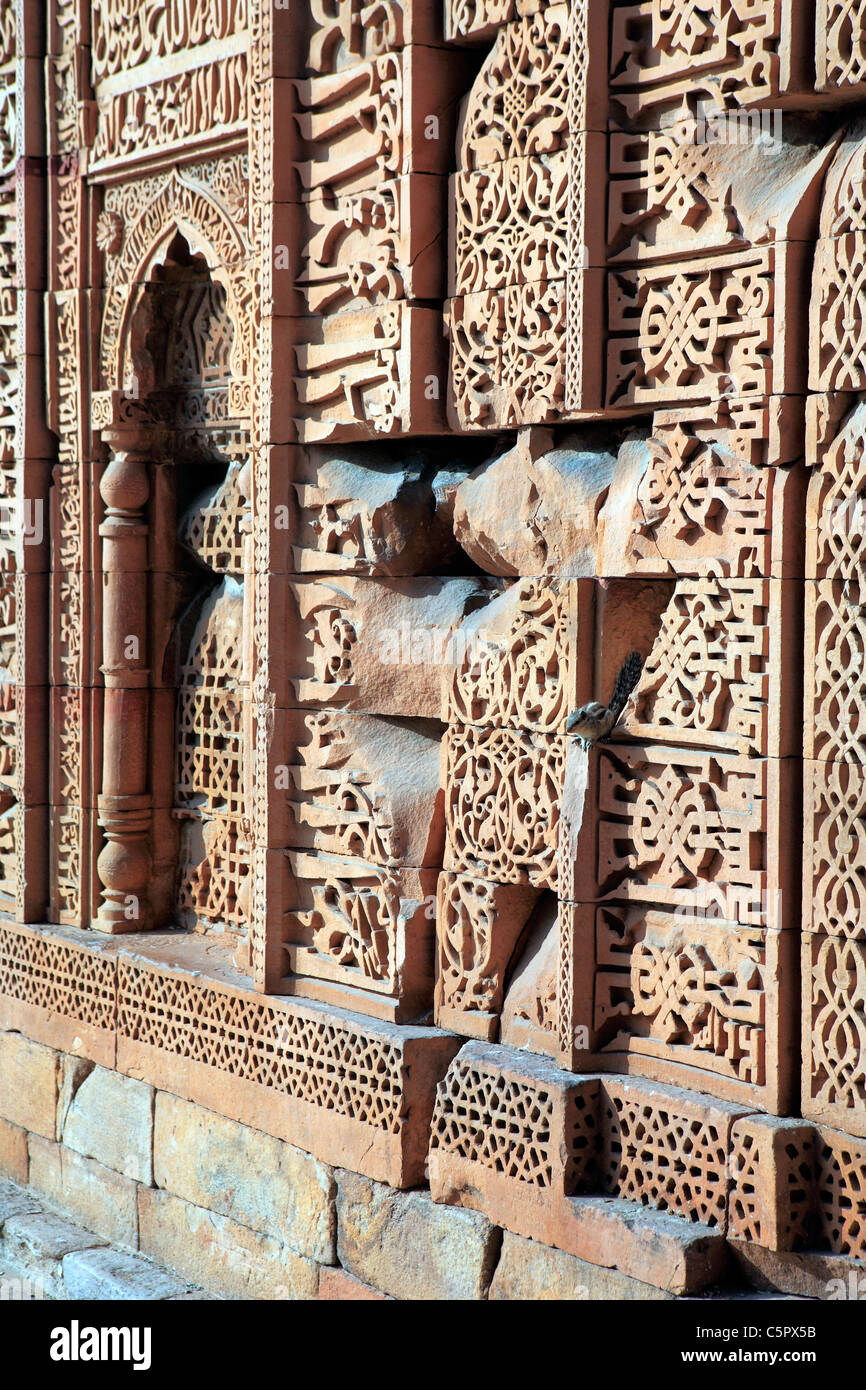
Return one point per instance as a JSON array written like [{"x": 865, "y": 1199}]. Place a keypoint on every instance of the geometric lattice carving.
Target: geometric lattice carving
[
  {"x": 335, "y": 1066},
  {"x": 57, "y": 976},
  {"x": 214, "y": 529},
  {"x": 705, "y": 681},
  {"x": 209, "y": 791},
  {"x": 666, "y": 1149},
  {"x": 840, "y": 1181},
  {"x": 517, "y": 1117},
  {"x": 689, "y": 830},
  {"x": 772, "y": 1182},
  {"x": 502, "y": 1124},
  {"x": 838, "y": 334},
  {"x": 686, "y": 333},
  {"x": 835, "y": 679}
]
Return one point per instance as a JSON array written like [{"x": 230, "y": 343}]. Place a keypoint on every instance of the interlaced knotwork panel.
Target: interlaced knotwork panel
[
  {"x": 503, "y": 790},
  {"x": 685, "y": 828},
  {"x": 836, "y": 539},
  {"x": 11, "y": 521},
  {"x": 523, "y": 676},
  {"x": 834, "y": 970},
  {"x": 687, "y": 333},
  {"x": 690, "y": 989},
  {"x": 840, "y": 56}
]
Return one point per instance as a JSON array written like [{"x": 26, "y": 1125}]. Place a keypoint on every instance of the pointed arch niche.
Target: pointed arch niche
[{"x": 173, "y": 416}]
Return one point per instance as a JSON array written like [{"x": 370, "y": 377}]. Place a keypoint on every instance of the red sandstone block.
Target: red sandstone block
[
  {"x": 840, "y": 1180},
  {"x": 349, "y": 241},
  {"x": 408, "y": 103},
  {"x": 728, "y": 986},
  {"x": 473, "y": 20},
  {"x": 764, "y": 54},
  {"x": 28, "y": 1084},
  {"x": 514, "y": 1137},
  {"x": 341, "y": 41},
  {"x": 220, "y": 1254},
  {"x": 478, "y": 926},
  {"x": 755, "y": 530},
  {"x": 14, "y": 1160},
  {"x": 507, "y": 1112},
  {"x": 772, "y": 1177},
  {"x": 666, "y": 1148},
  {"x": 335, "y": 1285},
  {"x": 771, "y": 361},
  {"x": 57, "y": 986},
  {"x": 840, "y": 69},
  {"x": 507, "y": 355},
  {"x": 392, "y": 977},
  {"x": 344, "y": 394},
  {"x": 833, "y": 1027}
]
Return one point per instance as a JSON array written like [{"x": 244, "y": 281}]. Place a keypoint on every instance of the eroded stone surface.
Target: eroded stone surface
[{"x": 283, "y": 666}]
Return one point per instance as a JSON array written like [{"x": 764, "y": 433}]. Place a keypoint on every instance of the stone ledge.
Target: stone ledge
[
  {"x": 664, "y": 1251},
  {"x": 63, "y": 1261},
  {"x": 807, "y": 1274},
  {"x": 528, "y": 1271},
  {"x": 353, "y": 1091}
]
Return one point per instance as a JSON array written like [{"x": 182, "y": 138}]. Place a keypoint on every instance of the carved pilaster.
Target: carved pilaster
[{"x": 124, "y": 865}]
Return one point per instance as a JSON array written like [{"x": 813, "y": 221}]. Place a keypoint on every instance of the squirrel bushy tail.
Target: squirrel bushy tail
[{"x": 628, "y": 677}]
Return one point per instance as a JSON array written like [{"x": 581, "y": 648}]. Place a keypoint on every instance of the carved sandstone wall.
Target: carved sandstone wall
[{"x": 373, "y": 378}]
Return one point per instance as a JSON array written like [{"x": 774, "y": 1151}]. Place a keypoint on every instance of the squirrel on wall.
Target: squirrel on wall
[{"x": 594, "y": 722}]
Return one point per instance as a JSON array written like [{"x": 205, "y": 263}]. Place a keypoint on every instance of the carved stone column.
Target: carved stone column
[{"x": 124, "y": 865}]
